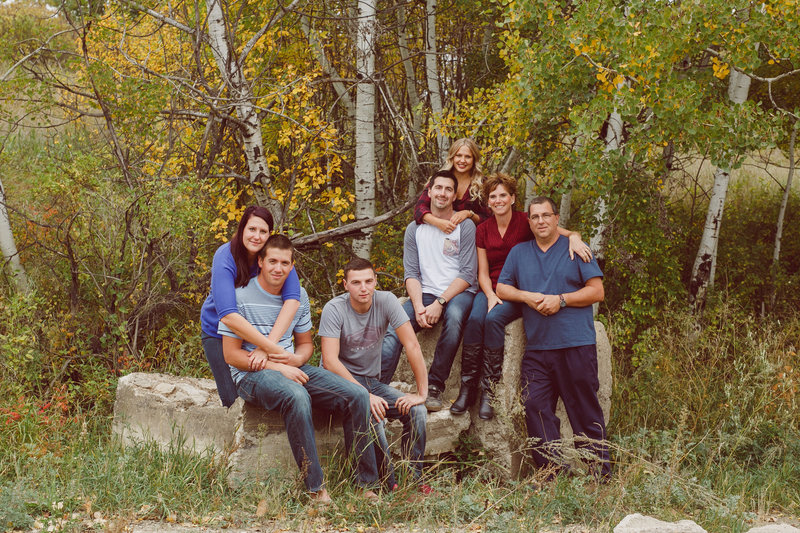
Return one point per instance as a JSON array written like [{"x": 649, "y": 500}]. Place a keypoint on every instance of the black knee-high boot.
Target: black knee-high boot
[
  {"x": 492, "y": 371},
  {"x": 471, "y": 355}
]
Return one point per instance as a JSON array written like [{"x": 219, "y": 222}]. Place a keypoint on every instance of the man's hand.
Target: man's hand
[
  {"x": 378, "y": 406},
  {"x": 257, "y": 360},
  {"x": 533, "y": 299},
  {"x": 433, "y": 313},
  {"x": 283, "y": 357},
  {"x": 493, "y": 300},
  {"x": 405, "y": 403},
  {"x": 293, "y": 373},
  {"x": 421, "y": 315},
  {"x": 550, "y": 305}
]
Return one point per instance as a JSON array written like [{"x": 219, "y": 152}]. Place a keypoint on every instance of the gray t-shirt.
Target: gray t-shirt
[{"x": 361, "y": 334}]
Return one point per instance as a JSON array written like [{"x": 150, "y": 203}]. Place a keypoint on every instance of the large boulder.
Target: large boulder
[
  {"x": 637, "y": 523},
  {"x": 169, "y": 409}
]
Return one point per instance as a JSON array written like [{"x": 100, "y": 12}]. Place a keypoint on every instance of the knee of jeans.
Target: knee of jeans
[
  {"x": 360, "y": 398},
  {"x": 419, "y": 415},
  {"x": 297, "y": 397}
]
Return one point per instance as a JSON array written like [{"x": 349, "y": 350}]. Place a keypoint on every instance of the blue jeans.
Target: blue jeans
[
  {"x": 269, "y": 389},
  {"x": 454, "y": 316},
  {"x": 414, "y": 435},
  {"x": 489, "y": 327},
  {"x": 226, "y": 389}
]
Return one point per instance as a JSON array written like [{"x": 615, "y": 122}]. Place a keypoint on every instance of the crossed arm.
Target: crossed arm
[
  {"x": 549, "y": 304},
  {"x": 428, "y": 316},
  {"x": 267, "y": 345},
  {"x": 236, "y": 356}
]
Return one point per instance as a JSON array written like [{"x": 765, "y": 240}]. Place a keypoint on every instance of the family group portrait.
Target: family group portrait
[{"x": 399, "y": 265}]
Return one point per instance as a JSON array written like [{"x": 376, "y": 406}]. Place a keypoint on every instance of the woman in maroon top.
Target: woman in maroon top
[
  {"x": 484, "y": 335},
  {"x": 463, "y": 159}
]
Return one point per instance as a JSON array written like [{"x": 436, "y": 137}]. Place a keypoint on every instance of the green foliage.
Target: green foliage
[{"x": 29, "y": 26}]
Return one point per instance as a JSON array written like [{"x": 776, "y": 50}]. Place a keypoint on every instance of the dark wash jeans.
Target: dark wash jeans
[
  {"x": 226, "y": 389},
  {"x": 414, "y": 434},
  {"x": 324, "y": 390},
  {"x": 454, "y": 316},
  {"x": 489, "y": 327}
]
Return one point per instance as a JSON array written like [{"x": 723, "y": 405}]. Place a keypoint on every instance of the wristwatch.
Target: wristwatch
[
  {"x": 441, "y": 300},
  {"x": 561, "y": 301}
]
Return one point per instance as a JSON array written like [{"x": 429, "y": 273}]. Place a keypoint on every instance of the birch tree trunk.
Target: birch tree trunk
[
  {"x": 705, "y": 261},
  {"x": 613, "y": 142},
  {"x": 241, "y": 96},
  {"x": 432, "y": 74},
  {"x": 365, "y": 124},
  {"x": 776, "y": 252},
  {"x": 9, "y": 247}
]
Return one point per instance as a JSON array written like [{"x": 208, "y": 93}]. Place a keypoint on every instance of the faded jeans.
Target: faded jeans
[
  {"x": 269, "y": 389},
  {"x": 454, "y": 316}
]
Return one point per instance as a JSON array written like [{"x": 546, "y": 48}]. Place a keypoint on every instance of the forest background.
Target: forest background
[{"x": 133, "y": 134}]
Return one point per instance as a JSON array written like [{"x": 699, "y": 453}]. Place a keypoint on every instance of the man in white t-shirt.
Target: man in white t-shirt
[
  {"x": 352, "y": 327},
  {"x": 441, "y": 281}
]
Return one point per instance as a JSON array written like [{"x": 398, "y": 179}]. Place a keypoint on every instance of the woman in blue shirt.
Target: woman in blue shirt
[{"x": 234, "y": 264}]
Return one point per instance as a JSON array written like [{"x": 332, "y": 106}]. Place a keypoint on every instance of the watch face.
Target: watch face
[
  {"x": 562, "y": 302},
  {"x": 441, "y": 300}
]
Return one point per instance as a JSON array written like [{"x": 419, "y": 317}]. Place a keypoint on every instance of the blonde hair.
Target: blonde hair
[{"x": 476, "y": 180}]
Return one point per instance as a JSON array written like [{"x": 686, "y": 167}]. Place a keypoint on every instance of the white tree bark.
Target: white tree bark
[
  {"x": 613, "y": 142},
  {"x": 365, "y": 124},
  {"x": 242, "y": 100},
  {"x": 705, "y": 261},
  {"x": 432, "y": 74},
  {"x": 776, "y": 251},
  {"x": 9, "y": 247}
]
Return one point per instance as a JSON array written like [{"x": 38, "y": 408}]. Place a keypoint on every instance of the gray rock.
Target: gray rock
[
  {"x": 170, "y": 409},
  {"x": 774, "y": 528},
  {"x": 637, "y": 523}
]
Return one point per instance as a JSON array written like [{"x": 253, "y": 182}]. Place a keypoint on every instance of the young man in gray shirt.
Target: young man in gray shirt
[{"x": 352, "y": 328}]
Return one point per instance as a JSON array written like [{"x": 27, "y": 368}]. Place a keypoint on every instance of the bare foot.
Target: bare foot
[
  {"x": 321, "y": 497},
  {"x": 371, "y": 496}
]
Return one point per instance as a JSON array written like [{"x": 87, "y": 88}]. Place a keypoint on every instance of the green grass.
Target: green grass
[{"x": 704, "y": 427}]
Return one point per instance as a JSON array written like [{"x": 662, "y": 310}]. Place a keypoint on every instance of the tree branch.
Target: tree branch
[{"x": 352, "y": 228}]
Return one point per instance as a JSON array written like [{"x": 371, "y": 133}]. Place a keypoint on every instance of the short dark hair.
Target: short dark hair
[
  {"x": 278, "y": 241},
  {"x": 444, "y": 174},
  {"x": 543, "y": 200},
  {"x": 497, "y": 179},
  {"x": 357, "y": 263}
]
